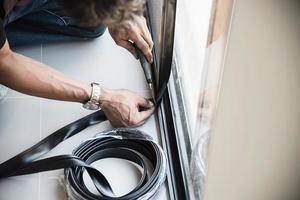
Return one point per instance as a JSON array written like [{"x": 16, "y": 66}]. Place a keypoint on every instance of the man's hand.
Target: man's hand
[
  {"x": 124, "y": 108},
  {"x": 135, "y": 31}
]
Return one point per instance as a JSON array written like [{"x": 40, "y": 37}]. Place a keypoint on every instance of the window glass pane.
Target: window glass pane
[
  {"x": 211, "y": 76},
  {"x": 201, "y": 34},
  {"x": 192, "y": 27}
]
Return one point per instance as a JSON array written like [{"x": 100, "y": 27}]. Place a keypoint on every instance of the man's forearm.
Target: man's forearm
[{"x": 34, "y": 78}]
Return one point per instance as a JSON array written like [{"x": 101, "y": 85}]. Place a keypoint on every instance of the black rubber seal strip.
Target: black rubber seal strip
[{"x": 138, "y": 151}]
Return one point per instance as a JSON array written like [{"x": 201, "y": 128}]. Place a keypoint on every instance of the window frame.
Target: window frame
[
  {"x": 177, "y": 188},
  {"x": 172, "y": 116}
]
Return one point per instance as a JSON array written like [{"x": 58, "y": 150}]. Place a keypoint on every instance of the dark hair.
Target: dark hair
[{"x": 104, "y": 12}]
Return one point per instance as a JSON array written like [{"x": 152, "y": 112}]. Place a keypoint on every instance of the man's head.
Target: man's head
[{"x": 105, "y": 12}]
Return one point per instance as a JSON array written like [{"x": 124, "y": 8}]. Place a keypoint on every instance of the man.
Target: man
[{"x": 25, "y": 22}]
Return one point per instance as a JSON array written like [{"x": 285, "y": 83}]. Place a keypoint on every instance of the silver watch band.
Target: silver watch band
[
  {"x": 96, "y": 92},
  {"x": 93, "y": 103}
]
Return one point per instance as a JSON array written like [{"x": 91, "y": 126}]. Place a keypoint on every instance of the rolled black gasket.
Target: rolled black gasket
[{"x": 130, "y": 144}]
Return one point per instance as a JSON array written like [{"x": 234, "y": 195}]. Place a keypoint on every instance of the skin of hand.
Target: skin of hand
[
  {"x": 134, "y": 32},
  {"x": 124, "y": 108}
]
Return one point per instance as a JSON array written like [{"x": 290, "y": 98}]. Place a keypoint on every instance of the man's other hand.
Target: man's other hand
[
  {"x": 124, "y": 108},
  {"x": 134, "y": 31}
]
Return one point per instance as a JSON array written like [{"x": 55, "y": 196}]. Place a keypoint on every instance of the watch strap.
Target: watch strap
[{"x": 96, "y": 92}]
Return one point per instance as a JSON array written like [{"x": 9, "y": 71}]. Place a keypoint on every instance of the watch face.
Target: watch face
[{"x": 91, "y": 106}]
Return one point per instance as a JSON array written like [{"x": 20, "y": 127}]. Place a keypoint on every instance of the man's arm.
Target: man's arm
[
  {"x": 122, "y": 107},
  {"x": 34, "y": 78}
]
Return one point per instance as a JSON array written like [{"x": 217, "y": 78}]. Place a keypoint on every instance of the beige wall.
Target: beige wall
[{"x": 255, "y": 145}]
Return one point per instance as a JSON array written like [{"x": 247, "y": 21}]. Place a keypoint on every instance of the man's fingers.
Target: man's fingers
[
  {"x": 147, "y": 36},
  {"x": 144, "y": 103},
  {"x": 128, "y": 45},
  {"x": 143, "y": 46},
  {"x": 143, "y": 115}
]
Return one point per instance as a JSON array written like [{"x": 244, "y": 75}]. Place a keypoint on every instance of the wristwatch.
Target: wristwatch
[{"x": 93, "y": 103}]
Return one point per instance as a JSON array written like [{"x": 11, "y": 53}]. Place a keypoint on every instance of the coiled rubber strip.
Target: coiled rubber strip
[{"x": 134, "y": 149}]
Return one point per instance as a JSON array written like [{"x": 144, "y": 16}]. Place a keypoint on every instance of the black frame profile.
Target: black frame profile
[{"x": 176, "y": 183}]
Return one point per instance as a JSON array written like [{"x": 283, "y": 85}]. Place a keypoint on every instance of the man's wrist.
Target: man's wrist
[
  {"x": 105, "y": 95},
  {"x": 93, "y": 102},
  {"x": 87, "y": 91}
]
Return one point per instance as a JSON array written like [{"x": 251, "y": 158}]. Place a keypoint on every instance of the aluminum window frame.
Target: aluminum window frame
[
  {"x": 177, "y": 187},
  {"x": 178, "y": 109},
  {"x": 172, "y": 116}
]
